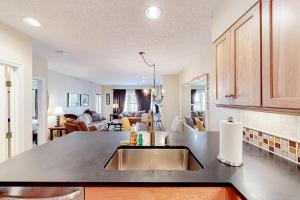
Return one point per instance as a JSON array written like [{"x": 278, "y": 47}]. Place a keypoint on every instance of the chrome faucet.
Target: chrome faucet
[{"x": 151, "y": 127}]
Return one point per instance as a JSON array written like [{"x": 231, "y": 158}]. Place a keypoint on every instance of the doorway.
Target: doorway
[
  {"x": 39, "y": 111},
  {"x": 194, "y": 103}
]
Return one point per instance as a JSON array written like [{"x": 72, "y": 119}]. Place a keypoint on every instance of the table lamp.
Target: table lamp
[
  {"x": 58, "y": 111},
  {"x": 115, "y": 107}
]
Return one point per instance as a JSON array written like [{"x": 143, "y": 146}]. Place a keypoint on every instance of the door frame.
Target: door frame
[
  {"x": 18, "y": 133},
  {"x": 43, "y": 111},
  {"x": 205, "y": 78}
]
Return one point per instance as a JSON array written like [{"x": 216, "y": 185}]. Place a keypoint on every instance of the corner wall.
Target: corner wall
[
  {"x": 17, "y": 48},
  {"x": 170, "y": 107},
  {"x": 226, "y": 13}
]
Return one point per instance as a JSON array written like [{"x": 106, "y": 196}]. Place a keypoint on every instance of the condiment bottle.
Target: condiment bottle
[{"x": 133, "y": 137}]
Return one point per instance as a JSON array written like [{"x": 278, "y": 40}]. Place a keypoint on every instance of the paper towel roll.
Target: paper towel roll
[{"x": 231, "y": 143}]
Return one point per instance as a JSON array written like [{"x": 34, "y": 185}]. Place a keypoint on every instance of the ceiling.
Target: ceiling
[{"x": 103, "y": 37}]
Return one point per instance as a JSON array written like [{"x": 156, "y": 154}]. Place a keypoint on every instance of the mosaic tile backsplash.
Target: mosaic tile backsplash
[{"x": 279, "y": 146}]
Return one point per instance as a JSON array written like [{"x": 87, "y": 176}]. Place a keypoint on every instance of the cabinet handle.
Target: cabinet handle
[{"x": 229, "y": 96}]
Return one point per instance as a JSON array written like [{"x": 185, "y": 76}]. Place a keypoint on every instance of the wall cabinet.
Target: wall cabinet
[
  {"x": 264, "y": 59},
  {"x": 160, "y": 193},
  {"x": 237, "y": 61},
  {"x": 280, "y": 53},
  {"x": 223, "y": 68}
]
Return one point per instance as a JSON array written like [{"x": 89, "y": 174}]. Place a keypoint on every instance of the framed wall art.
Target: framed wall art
[
  {"x": 84, "y": 100},
  {"x": 73, "y": 100}
]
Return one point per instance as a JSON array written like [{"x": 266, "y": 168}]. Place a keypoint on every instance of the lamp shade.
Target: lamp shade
[
  {"x": 115, "y": 105},
  {"x": 58, "y": 110}
]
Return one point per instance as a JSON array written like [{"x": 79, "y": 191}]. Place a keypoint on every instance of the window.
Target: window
[
  {"x": 199, "y": 101},
  {"x": 98, "y": 103},
  {"x": 130, "y": 101}
]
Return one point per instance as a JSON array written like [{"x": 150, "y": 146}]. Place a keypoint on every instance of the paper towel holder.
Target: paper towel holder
[{"x": 226, "y": 162}]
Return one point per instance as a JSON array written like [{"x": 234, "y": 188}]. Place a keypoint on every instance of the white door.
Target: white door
[{"x": 6, "y": 108}]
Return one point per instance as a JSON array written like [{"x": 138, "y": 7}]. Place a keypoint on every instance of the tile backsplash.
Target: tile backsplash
[
  {"x": 283, "y": 126},
  {"x": 285, "y": 148}
]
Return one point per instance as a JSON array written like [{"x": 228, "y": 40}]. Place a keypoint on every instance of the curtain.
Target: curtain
[
  {"x": 143, "y": 102},
  {"x": 119, "y": 98},
  {"x": 193, "y": 94}
]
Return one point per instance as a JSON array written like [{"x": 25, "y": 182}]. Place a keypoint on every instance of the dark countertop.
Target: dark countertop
[{"x": 78, "y": 159}]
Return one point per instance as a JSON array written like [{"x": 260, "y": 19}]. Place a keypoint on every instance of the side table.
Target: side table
[{"x": 59, "y": 129}]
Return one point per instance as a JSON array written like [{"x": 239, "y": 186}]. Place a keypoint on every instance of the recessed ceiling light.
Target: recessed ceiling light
[
  {"x": 61, "y": 53},
  {"x": 31, "y": 22},
  {"x": 152, "y": 12}
]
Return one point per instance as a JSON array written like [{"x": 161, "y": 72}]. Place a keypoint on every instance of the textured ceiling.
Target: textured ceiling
[{"x": 103, "y": 37}]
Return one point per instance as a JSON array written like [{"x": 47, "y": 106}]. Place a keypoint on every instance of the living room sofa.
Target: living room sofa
[
  {"x": 90, "y": 119},
  {"x": 133, "y": 117}
]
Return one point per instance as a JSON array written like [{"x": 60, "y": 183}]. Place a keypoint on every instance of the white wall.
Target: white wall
[
  {"x": 16, "y": 47},
  {"x": 107, "y": 109},
  {"x": 170, "y": 107},
  {"x": 203, "y": 65},
  {"x": 59, "y": 85},
  {"x": 226, "y": 13},
  {"x": 39, "y": 67}
]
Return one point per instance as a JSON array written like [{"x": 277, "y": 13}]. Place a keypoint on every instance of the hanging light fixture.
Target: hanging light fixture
[{"x": 157, "y": 93}]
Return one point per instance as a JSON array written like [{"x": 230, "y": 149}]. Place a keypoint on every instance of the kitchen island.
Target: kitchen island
[{"x": 78, "y": 159}]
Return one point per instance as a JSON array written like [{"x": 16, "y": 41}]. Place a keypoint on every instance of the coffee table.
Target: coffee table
[{"x": 116, "y": 123}]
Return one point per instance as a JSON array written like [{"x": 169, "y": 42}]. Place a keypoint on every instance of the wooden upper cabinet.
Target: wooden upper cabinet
[
  {"x": 223, "y": 68},
  {"x": 245, "y": 59},
  {"x": 280, "y": 55},
  {"x": 238, "y": 63}
]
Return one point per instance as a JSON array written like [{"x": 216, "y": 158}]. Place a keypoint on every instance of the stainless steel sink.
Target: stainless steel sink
[{"x": 153, "y": 158}]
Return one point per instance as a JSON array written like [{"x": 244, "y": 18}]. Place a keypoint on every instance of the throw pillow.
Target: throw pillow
[
  {"x": 125, "y": 114},
  {"x": 189, "y": 122},
  {"x": 86, "y": 118},
  {"x": 96, "y": 117},
  {"x": 131, "y": 114},
  {"x": 88, "y": 111},
  {"x": 139, "y": 113}
]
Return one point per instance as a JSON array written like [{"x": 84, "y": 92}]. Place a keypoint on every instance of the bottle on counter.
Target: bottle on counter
[
  {"x": 140, "y": 140},
  {"x": 133, "y": 137}
]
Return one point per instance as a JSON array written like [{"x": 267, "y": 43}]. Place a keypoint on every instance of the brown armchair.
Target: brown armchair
[{"x": 75, "y": 125}]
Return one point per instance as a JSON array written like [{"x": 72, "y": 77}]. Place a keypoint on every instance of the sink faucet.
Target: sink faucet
[{"x": 151, "y": 127}]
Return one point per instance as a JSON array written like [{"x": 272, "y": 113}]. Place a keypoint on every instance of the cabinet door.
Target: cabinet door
[
  {"x": 280, "y": 55},
  {"x": 245, "y": 60},
  {"x": 160, "y": 193},
  {"x": 223, "y": 71}
]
